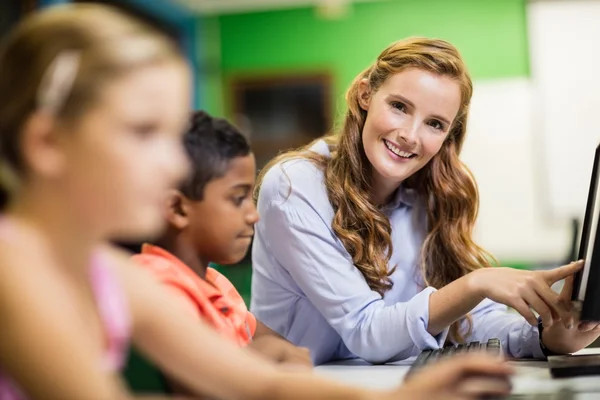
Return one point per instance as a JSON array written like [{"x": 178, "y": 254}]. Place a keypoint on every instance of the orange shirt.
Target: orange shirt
[{"x": 215, "y": 299}]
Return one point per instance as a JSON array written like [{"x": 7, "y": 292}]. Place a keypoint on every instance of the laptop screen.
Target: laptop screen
[{"x": 587, "y": 280}]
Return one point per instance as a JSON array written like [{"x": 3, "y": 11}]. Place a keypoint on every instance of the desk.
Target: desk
[{"x": 531, "y": 376}]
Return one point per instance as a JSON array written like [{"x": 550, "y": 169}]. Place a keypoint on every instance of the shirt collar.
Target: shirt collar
[
  {"x": 209, "y": 290},
  {"x": 150, "y": 249},
  {"x": 403, "y": 197},
  {"x": 321, "y": 147}
]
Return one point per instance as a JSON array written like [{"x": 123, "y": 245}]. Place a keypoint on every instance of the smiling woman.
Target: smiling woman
[
  {"x": 367, "y": 233},
  {"x": 410, "y": 117}
]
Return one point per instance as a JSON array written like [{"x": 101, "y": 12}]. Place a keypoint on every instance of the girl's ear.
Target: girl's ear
[{"x": 41, "y": 145}]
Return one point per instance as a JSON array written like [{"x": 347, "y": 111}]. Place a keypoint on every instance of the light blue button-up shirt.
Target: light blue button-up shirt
[{"x": 306, "y": 288}]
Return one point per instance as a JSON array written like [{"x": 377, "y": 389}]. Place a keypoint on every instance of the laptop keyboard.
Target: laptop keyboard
[
  {"x": 426, "y": 357},
  {"x": 493, "y": 346}
]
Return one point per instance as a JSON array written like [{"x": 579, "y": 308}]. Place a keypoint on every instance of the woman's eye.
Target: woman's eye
[
  {"x": 435, "y": 124},
  {"x": 398, "y": 106}
]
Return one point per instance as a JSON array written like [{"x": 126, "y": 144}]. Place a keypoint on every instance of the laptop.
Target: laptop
[{"x": 586, "y": 286}]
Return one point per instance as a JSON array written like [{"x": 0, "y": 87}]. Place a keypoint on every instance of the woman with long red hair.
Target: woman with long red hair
[{"x": 365, "y": 244}]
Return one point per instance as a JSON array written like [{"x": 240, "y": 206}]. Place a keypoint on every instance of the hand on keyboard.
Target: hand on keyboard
[{"x": 463, "y": 376}]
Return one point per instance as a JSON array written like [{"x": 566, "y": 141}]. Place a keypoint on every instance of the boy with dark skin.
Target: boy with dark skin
[{"x": 211, "y": 218}]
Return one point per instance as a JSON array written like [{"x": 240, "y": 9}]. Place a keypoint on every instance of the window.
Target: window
[{"x": 281, "y": 113}]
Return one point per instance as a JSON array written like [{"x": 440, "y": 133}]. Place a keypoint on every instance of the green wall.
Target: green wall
[{"x": 491, "y": 35}]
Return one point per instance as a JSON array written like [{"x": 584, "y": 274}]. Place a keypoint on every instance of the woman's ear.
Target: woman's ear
[
  {"x": 364, "y": 94},
  {"x": 176, "y": 209}
]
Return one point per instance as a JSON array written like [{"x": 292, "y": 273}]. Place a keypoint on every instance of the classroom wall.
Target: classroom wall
[
  {"x": 565, "y": 64},
  {"x": 491, "y": 35},
  {"x": 300, "y": 40}
]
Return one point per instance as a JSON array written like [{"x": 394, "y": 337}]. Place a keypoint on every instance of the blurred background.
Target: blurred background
[{"x": 279, "y": 69}]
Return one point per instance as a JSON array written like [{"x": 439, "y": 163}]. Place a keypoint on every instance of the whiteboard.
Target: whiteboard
[
  {"x": 500, "y": 152},
  {"x": 565, "y": 70}
]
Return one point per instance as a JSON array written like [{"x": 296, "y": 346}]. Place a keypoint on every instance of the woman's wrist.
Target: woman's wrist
[
  {"x": 474, "y": 283},
  {"x": 545, "y": 349},
  {"x": 453, "y": 302}
]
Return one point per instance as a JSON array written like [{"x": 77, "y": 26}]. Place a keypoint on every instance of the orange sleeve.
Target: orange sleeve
[{"x": 162, "y": 270}]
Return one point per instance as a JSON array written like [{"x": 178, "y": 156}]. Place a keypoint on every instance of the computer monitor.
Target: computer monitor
[{"x": 586, "y": 288}]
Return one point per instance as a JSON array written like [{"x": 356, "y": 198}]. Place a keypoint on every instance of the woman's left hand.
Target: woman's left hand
[{"x": 561, "y": 340}]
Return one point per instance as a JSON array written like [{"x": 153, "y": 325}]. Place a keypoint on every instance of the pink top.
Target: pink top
[{"x": 114, "y": 313}]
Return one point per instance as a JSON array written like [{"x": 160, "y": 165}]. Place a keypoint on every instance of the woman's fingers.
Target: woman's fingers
[
  {"x": 587, "y": 326},
  {"x": 560, "y": 309},
  {"x": 522, "y": 308},
  {"x": 535, "y": 301},
  {"x": 554, "y": 275},
  {"x": 567, "y": 290}
]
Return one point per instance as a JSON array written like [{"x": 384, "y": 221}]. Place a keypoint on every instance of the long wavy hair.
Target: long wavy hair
[{"x": 445, "y": 185}]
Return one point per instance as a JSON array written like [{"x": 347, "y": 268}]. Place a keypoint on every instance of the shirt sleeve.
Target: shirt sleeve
[
  {"x": 302, "y": 242},
  {"x": 492, "y": 320},
  {"x": 159, "y": 269}
]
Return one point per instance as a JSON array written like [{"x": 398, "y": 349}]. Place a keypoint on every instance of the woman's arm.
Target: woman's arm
[
  {"x": 521, "y": 339},
  {"x": 518, "y": 289},
  {"x": 295, "y": 233},
  {"x": 492, "y": 320}
]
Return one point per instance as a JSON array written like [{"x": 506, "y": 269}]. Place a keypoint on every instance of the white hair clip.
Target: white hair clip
[{"x": 57, "y": 81}]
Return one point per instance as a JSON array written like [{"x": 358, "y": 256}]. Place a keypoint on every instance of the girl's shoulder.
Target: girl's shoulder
[
  {"x": 24, "y": 251},
  {"x": 31, "y": 281},
  {"x": 118, "y": 262}
]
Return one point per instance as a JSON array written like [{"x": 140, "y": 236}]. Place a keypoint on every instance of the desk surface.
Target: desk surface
[{"x": 531, "y": 376}]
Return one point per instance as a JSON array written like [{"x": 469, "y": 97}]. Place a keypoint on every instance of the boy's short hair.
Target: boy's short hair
[{"x": 210, "y": 143}]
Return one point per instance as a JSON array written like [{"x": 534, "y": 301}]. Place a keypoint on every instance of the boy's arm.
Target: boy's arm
[
  {"x": 276, "y": 348},
  {"x": 263, "y": 330}
]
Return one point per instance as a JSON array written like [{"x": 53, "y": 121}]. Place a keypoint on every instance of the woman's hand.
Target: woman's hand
[
  {"x": 561, "y": 340},
  {"x": 526, "y": 290},
  {"x": 461, "y": 377}
]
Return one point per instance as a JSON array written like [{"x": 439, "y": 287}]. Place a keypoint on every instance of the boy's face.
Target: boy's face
[{"x": 221, "y": 225}]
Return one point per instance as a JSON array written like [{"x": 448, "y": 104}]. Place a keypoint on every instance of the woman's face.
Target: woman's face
[{"x": 408, "y": 119}]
